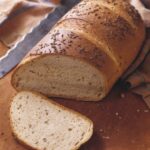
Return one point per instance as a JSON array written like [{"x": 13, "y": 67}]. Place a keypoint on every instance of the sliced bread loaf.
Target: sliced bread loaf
[
  {"x": 85, "y": 53},
  {"x": 45, "y": 125}
]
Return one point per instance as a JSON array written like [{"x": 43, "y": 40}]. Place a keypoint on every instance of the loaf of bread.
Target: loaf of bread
[
  {"x": 85, "y": 53},
  {"x": 43, "y": 124}
]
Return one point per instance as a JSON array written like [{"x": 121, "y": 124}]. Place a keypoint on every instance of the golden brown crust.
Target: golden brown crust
[
  {"x": 108, "y": 38},
  {"x": 120, "y": 7},
  {"x": 111, "y": 27},
  {"x": 57, "y": 104},
  {"x": 128, "y": 10}
]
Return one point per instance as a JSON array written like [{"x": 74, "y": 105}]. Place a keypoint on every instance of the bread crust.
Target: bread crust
[
  {"x": 57, "y": 104},
  {"x": 118, "y": 7},
  {"x": 116, "y": 23}
]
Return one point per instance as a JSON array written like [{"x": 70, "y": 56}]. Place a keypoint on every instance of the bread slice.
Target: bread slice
[{"x": 43, "y": 124}]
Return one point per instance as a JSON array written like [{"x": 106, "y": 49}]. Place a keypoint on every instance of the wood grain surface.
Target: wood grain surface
[{"x": 120, "y": 122}]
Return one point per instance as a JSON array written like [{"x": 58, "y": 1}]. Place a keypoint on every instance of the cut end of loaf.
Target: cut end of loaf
[
  {"x": 43, "y": 124},
  {"x": 61, "y": 76}
]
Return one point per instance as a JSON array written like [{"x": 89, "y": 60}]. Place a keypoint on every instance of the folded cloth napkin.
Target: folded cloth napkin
[
  {"x": 137, "y": 77},
  {"x": 19, "y": 17}
]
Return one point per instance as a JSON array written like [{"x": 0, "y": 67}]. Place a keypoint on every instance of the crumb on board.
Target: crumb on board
[
  {"x": 120, "y": 117},
  {"x": 117, "y": 114},
  {"x": 132, "y": 141},
  {"x": 90, "y": 111},
  {"x": 146, "y": 110},
  {"x": 138, "y": 110},
  {"x": 106, "y": 137},
  {"x": 101, "y": 130},
  {"x": 122, "y": 95}
]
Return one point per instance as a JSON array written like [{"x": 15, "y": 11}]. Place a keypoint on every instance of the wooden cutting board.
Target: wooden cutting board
[{"x": 120, "y": 123}]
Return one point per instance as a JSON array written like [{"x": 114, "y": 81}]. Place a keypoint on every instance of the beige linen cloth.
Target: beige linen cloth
[{"x": 19, "y": 17}]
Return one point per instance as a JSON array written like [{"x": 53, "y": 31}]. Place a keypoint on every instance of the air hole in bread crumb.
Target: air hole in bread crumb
[
  {"x": 19, "y": 106},
  {"x": 19, "y": 79},
  {"x": 46, "y": 111},
  {"x": 44, "y": 148},
  {"x": 20, "y": 97},
  {"x": 78, "y": 79},
  {"x": 94, "y": 75},
  {"x": 70, "y": 129},
  {"x": 30, "y": 126},
  {"x": 27, "y": 96},
  {"x": 81, "y": 138},
  {"x": 36, "y": 142},
  {"x": 2, "y": 133},
  {"x": 99, "y": 94},
  {"x": 83, "y": 134},
  {"x": 90, "y": 83},
  {"x": 46, "y": 122},
  {"x": 31, "y": 71},
  {"x": 76, "y": 143},
  {"x": 53, "y": 87},
  {"x": 33, "y": 132},
  {"x": 52, "y": 134},
  {"x": 44, "y": 140}
]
